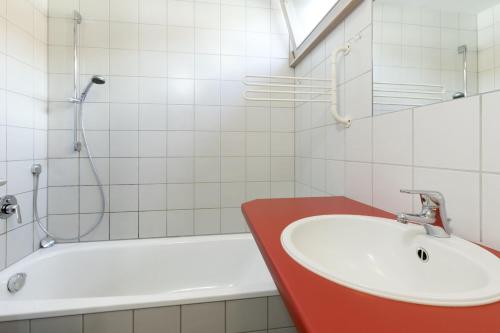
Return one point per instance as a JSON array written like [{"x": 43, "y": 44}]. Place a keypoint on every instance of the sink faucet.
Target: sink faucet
[{"x": 432, "y": 201}]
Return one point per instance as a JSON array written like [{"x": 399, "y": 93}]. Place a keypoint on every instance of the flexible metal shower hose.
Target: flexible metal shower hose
[{"x": 97, "y": 178}]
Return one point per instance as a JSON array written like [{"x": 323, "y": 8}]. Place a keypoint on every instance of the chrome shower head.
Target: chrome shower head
[{"x": 98, "y": 79}]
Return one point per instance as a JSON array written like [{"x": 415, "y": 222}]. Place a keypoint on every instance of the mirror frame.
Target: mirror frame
[{"x": 331, "y": 20}]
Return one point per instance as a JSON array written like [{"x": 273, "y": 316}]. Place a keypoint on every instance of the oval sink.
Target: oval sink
[{"x": 393, "y": 260}]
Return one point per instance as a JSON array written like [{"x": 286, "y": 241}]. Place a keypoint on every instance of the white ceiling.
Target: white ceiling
[{"x": 462, "y": 6}]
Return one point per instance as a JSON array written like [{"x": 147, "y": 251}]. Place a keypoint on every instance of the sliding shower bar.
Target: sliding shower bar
[{"x": 77, "y": 20}]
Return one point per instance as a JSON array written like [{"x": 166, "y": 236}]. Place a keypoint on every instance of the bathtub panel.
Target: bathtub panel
[
  {"x": 277, "y": 314},
  {"x": 204, "y": 317},
  {"x": 196, "y": 318},
  {"x": 158, "y": 320},
  {"x": 21, "y": 326},
  {"x": 108, "y": 322},
  {"x": 66, "y": 324},
  {"x": 246, "y": 315}
]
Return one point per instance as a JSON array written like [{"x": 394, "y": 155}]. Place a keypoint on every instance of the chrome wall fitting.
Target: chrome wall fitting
[{"x": 9, "y": 207}]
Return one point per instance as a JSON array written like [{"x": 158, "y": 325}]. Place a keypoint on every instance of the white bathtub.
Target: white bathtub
[{"x": 106, "y": 276}]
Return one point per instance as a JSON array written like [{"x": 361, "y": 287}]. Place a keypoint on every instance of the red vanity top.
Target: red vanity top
[{"x": 318, "y": 305}]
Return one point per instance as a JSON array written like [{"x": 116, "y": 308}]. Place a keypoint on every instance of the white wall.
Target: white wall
[
  {"x": 23, "y": 119},
  {"x": 178, "y": 148}
]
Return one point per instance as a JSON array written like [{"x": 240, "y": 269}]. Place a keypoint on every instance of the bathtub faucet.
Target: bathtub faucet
[{"x": 47, "y": 242}]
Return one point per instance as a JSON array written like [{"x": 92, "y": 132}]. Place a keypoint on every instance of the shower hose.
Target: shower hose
[{"x": 36, "y": 175}]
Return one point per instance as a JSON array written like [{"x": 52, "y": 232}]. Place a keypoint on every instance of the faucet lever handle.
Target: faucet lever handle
[
  {"x": 3, "y": 182},
  {"x": 432, "y": 199},
  {"x": 15, "y": 209}
]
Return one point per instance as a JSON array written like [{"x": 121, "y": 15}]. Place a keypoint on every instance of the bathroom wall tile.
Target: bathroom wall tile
[
  {"x": 463, "y": 207},
  {"x": 153, "y": 11},
  {"x": 124, "y": 225},
  {"x": 124, "y": 198},
  {"x": 358, "y": 141},
  {"x": 207, "y": 221},
  {"x": 490, "y": 134},
  {"x": 64, "y": 225},
  {"x": 125, "y": 11},
  {"x": 358, "y": 181},
  {"x": 335, "y": 174},
  {"x": 63, "y": 200},
  {"x": 67, "y": 324},
  {"x": 152, "y": 197},
  {"x": 90, "y": 199},
  {"x": 101, "y": 232},
  {"x": 232, "y": 221},
  {"x": 207, "y": 195},
  {"x": 388, "y": 180},
  {"x": 206, "y": 317},
  {"x": 392, "y": 138},
  {"x": 124, "y": 116},
  {"x": 3, "y": 250},
  {"x": 180, "y": 223},
  {"x": 63, "y": 172},
  {"x": 152, "y": 224},
  {"x": 163, "y": 319},
  {"x": 180, "y": 196},
  {"x": 19, "y": 243},
  {"x": 246, "y": 315},
  {"x": 153, "y": 170},
  {"x": 108, "y": 322},
  {"x": 490, "y": 216},
  {"x": 277, "y": 313},
  {"x": 86, "y": 174},
  {"x": 461, "y": 119},
  {"x": 358, "y": 99}
]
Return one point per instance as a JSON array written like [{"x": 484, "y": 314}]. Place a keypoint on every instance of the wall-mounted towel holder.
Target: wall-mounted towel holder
[{"x": 296, "y": 89}]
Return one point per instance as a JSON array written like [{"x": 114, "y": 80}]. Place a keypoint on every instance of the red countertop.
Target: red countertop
[{"x": 318, "y": 305}]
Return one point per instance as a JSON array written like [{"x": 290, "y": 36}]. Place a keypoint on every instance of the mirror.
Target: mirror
[{"x": 430, "y": 51}]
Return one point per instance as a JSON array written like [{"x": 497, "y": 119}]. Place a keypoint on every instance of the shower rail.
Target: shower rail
[{"x": 77, "y": 20}]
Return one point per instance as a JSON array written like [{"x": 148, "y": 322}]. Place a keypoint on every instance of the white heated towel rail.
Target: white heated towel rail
[{"x": 296, "y": 89}]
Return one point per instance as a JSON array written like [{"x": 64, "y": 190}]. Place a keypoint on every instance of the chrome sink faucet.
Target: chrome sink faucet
[{"x": 432, "y": 201}]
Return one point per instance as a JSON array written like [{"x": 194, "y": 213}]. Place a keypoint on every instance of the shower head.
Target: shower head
[{"x": 96, "y": 79}]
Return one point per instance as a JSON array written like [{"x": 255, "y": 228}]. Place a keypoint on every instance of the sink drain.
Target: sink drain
[{"x": 422, "y": 254}]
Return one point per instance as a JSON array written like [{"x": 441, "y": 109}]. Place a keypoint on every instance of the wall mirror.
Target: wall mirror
[{"x": 430, "y": 51}]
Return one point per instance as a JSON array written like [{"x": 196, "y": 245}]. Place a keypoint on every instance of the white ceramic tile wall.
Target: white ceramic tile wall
[
  {"x": 23, "y": 119},
  {"x": 451, "y": 147},
  {"x": 319, "y": 165},
  {"x": 409, "y": 47},
  {"x": 178, "y": 148},
  {"x": 488, "y": 22}
]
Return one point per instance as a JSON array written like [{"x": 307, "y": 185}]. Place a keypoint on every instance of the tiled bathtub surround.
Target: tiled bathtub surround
[
  {"x": 23, "y": 119},
  {"x": 177, "y": 147},
  {"x": 255, "y": 315}
]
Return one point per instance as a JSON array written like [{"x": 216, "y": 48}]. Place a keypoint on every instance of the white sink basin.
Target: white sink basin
[{"x": 381, "y": 257}]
